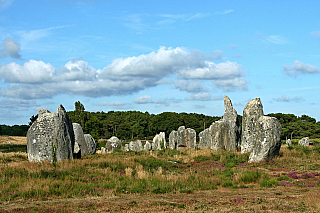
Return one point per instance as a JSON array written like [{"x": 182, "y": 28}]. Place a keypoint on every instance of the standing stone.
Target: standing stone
[
  {"x": 205, "y": 139},
  {"x": 147, "y": 145},
  {"x": 304, "y": 141},
  {"x": 135, "y": 146},
  {"x": 182, "y": 138},
  {"x": 51, "y": 136},
  {"x": 268, "y": 136},
  {"x": 113, "y": 143},
  {"x": 289, "y": 142},
  {"x": 160, "y": 140},
  {"x": 80, "y": 140},
  {"x": 251, "y": 114},
  {"x": 223, "y": 134},
  {"x": 91, "y": 144},
  {"x": 126, "y": 148}
]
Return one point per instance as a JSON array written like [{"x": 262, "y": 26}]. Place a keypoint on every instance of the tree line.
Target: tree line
[{"x": 128, "y": 125}]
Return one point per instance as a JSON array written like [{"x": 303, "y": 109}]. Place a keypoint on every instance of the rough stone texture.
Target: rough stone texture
[
  {"x": 205, "y": 139},
  {"x": 147, "y": 146},
  {"x": 289, "y": 142},
  {"x": 223, "y": 134},
  {"x": 113, "y": 143},
  {"x": 79, "y": 138},
  {"x": 103, "y": 150},
  {"x": 126, "y": 148},
  {"x": 268, "y": 136},
  {"x": 251, "y": 114},
  {"x": 182, "y": 138},
  {"x": 304, "y": 141},
  {"x": 160, "y": 139},
  {"x": 135, "y": 146},
  {"x": 51, "y": 135},
  {"x": 91, "y": 144}
]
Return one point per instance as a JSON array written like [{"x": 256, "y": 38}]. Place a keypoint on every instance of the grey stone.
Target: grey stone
[
  {"x": 147, "y": 146},
  {"x": 205, "y": 139},
  {"x": 182, "y": 138},
  {"x": 160, "y": 140},
  {"x": 223, "y": 134},
  {"x": 268, "y": 136},
  {"x": 304, "y": 141},
  {"x": 251, "y": 114},
  {"x": 289, "y": 142},
  {"x": 103, "y": 150},
  {"x": 113, "y": 143},
  {"x": 135, "y": 146},
  {"x": 126, "y": 148},
  {"x": 51, "y": 136},
  {"x": 91, "y": 144},
  {"x": 79, "y": 138}
]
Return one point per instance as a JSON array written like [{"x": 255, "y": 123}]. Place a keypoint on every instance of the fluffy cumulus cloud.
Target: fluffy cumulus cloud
[
  {"x": 300, "y": 68},
  {"x": 143, "y": 99},
  {"x": 10, "y": 48},
  {"x": 199, "y": 97},
  {"x": 288, "y": 99},
  {"x": 191, "y": 69}
]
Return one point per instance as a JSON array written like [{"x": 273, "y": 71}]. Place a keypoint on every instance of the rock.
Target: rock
[
  {"x": 251, "y": 114},
  {"x": 103, "y": 150},
  {"x": 51, "y": 136},
  {"x": 126, "y": 148},
  {"x": 223, "y": 134},
  {"x": 288, "y": 142},
  {"x": 135, "y": 146},
  {"x": 268, "y": 137},
  {"x": 91, "y": 144},
  {"x": 304, "y": 141},
  {"x": 160, "y": 141},
  {"x": 205, "y": 139},
  {"x": 76, "y": 151},
  {"x": 113, "y": 143},
  {"x": 182, "y": 138},
  {"x": 147, "y": 146},
  {"x": 79, "y": 138}
]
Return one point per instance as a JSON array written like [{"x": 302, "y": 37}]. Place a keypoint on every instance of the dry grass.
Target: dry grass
[{"x": 15, "y": 140}]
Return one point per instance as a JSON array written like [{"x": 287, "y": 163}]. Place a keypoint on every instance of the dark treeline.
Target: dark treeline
[
  {"x": 142, "y": 125},
  {"x": 137, "y": 125}
]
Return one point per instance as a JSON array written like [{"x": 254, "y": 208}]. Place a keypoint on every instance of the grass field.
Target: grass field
[{"x": 163, "y": 181}]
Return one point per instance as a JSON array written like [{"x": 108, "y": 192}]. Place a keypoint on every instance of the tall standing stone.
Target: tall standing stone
[
  {"x": 205, "y": 139},
  {"x": 160, "y": 140},
  {"x": 304, "y": 141},
  {"x": 51, "y": 136},
  {"x": 268, "y": 138},
  {"x": 91, "y": 143},
  {"x": 113, "y": 143},
  {"x": 251, "y": 114},
  {"x": 80, "y": 139}
]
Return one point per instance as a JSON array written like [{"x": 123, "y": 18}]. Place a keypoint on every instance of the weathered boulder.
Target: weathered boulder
[
  {"x": 182, "y": 138},
  {"x": 147, "y": 146},
  {"x": 160, "y": 141},
  {"x": 304, "y": 141},
  {"x": 268, "y": 137},
  {"x": 135, "y": 146},
  {"x": 51, "y": 136},
  {"x": 205, "y": 139},
  {"x": 80, "y": 140},
  {"x": 289, "y": 142},
  {"x": 251, "y": 114},
  {"x": 91, "y": 144},
  {"x": 113, "y": 143},
  {"x": 223, "y": 134},
  {"x": 126, "y": 148}
]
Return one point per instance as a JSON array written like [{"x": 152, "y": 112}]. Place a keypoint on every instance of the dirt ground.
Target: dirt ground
[{"x": 220, "y": 200}]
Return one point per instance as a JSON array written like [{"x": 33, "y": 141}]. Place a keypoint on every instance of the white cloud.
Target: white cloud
[
  {"x": 199, "y": 97},
  {"x": 31, "y": 72},
  {"x": 37, "y": 79},
  {"x": 10, "y": 48},
  {"x": 300, "y": 68},
  {"x": 143, "y": 99},
  {"x": 276, "y": 39},
  {"x": 17, "y": 104},
  {"x": 288, "y": 99},
  {"x": 113, "y": 103},
  {"x": 224, "y": 12},
  {"x": 190, "y": 86}
]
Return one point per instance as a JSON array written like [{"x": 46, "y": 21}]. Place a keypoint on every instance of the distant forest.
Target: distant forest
[{"x": 128, "y": 125}]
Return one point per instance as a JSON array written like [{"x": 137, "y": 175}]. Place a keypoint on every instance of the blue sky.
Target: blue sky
[{"x": 158, "y": 56}]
